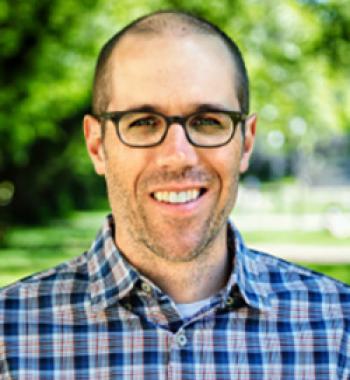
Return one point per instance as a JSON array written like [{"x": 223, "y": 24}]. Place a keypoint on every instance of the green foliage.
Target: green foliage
[
  {"x": 297, "y": 53},
  {"x": 46, "y": 72}
]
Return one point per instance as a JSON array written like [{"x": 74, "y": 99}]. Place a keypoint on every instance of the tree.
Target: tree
[{"x": 297, "y": 54}]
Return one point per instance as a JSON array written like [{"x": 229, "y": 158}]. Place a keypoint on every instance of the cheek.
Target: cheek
[
  {"x": 229, "y": 177},
  {"x": 125, "y": 166},
  {"x": 227, "y": 163}
]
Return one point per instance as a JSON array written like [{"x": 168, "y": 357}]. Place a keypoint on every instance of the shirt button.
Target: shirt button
[
  {"x": 146, "y": 287},
  {"x": 181, "y": 339},
  {"x": 128, "y": 306},
  {"x": 230, "y": 301}
]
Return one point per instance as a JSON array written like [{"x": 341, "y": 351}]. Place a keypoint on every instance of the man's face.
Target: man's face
[{"x": 175, "y": 76}]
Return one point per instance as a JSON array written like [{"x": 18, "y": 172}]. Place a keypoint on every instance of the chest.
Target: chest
[{"x": 224, "y": 346}]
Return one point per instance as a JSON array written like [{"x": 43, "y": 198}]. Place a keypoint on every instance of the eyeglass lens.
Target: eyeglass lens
[{"x": 147, "y": 128}]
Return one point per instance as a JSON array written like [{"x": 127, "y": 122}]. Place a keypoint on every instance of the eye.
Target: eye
[
  {"x": 149, "y": 121},
  {"x": 206, "y": 121}
]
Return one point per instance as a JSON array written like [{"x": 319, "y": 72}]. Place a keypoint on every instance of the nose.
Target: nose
[{"x": 176, "y": 151}]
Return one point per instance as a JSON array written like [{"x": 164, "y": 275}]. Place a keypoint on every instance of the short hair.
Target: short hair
[{"x": 157, "y": 23}]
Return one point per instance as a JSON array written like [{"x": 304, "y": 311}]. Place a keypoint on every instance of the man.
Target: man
[{"x": 168, "y": 289}]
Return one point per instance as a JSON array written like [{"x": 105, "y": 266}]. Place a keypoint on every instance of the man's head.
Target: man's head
[
  {"x": 173, "y": 199},
  {"x": 172, "y": 23}
]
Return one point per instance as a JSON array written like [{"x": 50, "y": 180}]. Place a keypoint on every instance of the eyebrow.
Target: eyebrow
[
  {"x": 211, "y": 107},
  {"x": 196, "y": 108},
  {"x": 141, "y": 108}
]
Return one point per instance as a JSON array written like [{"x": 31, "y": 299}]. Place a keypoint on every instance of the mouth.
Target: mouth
[{"x": 179, "y": 197}]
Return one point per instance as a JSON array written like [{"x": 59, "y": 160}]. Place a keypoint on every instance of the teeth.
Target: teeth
[{"x": 176, "y": 197}]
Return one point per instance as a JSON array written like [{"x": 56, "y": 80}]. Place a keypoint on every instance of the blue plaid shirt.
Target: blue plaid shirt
[{"x": 97, "y": 318}]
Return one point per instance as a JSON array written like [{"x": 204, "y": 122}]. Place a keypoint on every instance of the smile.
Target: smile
[{"x": 177, "y": 197}]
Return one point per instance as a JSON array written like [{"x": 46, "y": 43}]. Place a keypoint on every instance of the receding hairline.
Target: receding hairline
[
  {"x": 169, "y": 22},
  {"x": 165, "y": 24}
]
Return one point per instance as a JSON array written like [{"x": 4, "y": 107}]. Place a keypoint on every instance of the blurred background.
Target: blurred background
[{"x": 295, "y": 200}]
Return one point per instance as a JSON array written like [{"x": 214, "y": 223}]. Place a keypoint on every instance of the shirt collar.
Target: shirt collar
[
  {"x": 250, "y": 274},
  {"x": 112, "y": 277}
]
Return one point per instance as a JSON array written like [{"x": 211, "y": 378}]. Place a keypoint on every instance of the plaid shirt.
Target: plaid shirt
[{"x": 97, "y": 318}]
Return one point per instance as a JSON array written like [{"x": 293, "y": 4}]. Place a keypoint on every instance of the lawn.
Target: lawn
[
  {"x": 28, "y": 250},
  {"x": 33, "y": 249}
]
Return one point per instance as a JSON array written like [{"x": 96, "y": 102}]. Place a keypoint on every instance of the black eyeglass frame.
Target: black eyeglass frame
[{"x": 115, "y": 116}]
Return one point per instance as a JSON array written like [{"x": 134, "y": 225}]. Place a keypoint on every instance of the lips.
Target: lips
[{"x": 178, "y": 196}]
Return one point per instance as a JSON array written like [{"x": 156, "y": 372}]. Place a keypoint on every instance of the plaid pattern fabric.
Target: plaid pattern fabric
[{"x": 97, "y": 318}]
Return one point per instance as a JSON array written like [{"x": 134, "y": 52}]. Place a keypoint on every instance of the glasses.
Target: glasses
[{"x": 206, "y": 129}]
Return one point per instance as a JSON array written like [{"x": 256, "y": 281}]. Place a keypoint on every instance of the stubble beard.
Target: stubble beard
[
  {"x": 147, "y": 236},
  {"x": 207, "y": 234}
]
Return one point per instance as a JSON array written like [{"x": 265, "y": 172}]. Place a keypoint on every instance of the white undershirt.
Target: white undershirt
[{"x": 186, "y": 310}]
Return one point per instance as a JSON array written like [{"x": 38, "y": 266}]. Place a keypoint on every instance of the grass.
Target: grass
[
  {"x": 339, "y": 271},
  {"x": 32, "y": 249},
  {"x": 323, "y": 237}
]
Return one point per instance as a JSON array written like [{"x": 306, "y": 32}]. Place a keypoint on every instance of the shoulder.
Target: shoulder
[
  {"x": 295, "y": 286},
  {"x": 55, "y": 287},
  {"x": 285, "y": 275}
]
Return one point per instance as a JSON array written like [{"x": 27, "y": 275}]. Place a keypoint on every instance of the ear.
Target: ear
[
  {"x": 94, "y": 143},
  {"x": 248, "y": 143}
]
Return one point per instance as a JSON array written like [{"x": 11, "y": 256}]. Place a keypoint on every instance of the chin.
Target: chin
[{"x": 180, "y": 253}]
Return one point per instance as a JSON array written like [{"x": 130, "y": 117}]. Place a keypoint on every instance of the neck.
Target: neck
[{"x": 184, "y": 281}]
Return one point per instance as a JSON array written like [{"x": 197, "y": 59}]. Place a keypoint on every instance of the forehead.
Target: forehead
[{"x": 195, "y": 68}]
